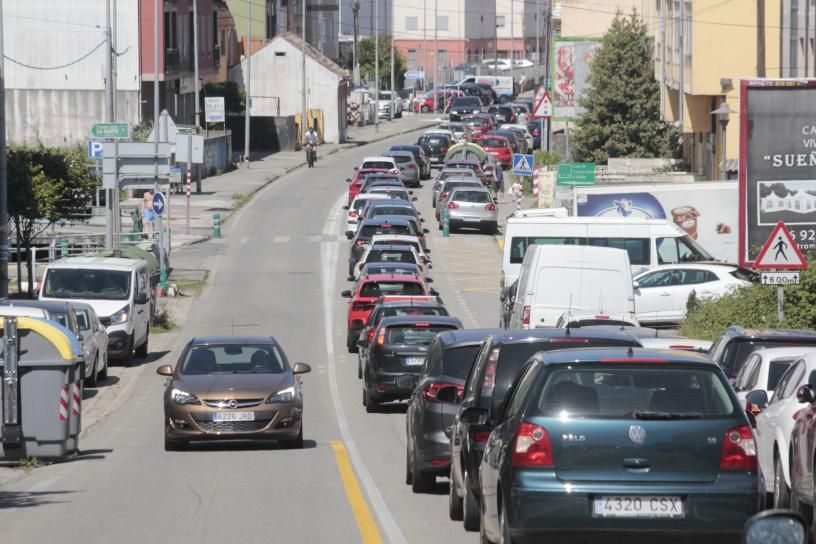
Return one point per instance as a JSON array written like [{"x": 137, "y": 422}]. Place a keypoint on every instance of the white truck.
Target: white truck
[{"x": 707, "y": 211}]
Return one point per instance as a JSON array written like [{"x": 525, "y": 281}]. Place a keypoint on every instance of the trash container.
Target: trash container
[{"x": 40, "y": 394}]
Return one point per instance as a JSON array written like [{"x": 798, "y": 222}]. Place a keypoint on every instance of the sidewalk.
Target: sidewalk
[{"x": 225, "y": 193}]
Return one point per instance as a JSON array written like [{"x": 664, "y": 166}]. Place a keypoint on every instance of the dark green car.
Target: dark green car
[{"x": 612, "y": 443}]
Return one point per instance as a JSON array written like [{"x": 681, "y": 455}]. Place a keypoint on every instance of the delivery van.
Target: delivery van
[
  {"x": 117, "y": 289},
  {"x": 649, "y": 242},
  {"x": 580, "y": 279},
  {"x": 503, "y": 85}
]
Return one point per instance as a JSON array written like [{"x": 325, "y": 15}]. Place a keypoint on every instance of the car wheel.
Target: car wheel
[
  {"x": 359, "y": 369},
  {"x": 297, "y": 442},
  {"x": 409, "y": 476},
  {"x": 371, "y": 404},
  {"x": 471, "y": 513},
  {"x": 174, "y": 444},
  {"x": 425, "y": 109},
  {"x": 422, "y": 482},
  {"x": 93, "y": 379},
  {"x": 351, "y": 343},
  {"x": 455, "y": 503},
  {"x": 781, "y": 491},
  {"x": 143, "y": 350},
  {"x": 504, "y": 528},
  {"x": 103, "y": 374}
]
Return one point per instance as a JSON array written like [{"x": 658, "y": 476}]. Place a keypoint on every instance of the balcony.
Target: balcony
[{"x": 171, "y": 61}]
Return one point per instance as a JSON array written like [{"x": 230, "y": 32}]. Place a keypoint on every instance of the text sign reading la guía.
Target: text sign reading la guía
[
  {"x": 116, "y": 131},
  {"x": 779, "y": 278}
]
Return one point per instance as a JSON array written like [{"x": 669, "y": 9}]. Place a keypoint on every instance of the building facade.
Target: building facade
[
  {"x": 263, "y": 25},
  {"x": 705, "y": 48},
  {"x": 797, "y": 47}
]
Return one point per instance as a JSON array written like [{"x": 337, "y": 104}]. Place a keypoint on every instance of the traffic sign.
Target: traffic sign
[
  {"x": 780, "y": 252},
  {"x": 522, "y": 164},
  {"x": 544, "y": 107},
  {"x": 116, "y": 131},
  {"x": 159, "y": 203},
  {"x": 95, "y": 149},
  {"x": 540, "y": 92},
  {"x": 573, "y": 174},
  {"x": 415, "y": 74},
  {"x": 779, "y": 278}
]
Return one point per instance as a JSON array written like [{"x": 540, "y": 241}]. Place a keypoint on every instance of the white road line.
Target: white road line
[
  {"x": 314, "y": 238},
  {"x": 244, "y": 240},
  {"x": 281, "y": 239},
  {"x": 328, "y": 253}
]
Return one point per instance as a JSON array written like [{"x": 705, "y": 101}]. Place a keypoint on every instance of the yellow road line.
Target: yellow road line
[
  {"x": 365, "y": 521},
  {"x": 500, "y": 242}
]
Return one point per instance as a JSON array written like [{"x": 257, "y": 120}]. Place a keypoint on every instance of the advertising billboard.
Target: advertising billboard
[
  {"x": 572, "y": 59},
  {"x": 777, "y": 174}
]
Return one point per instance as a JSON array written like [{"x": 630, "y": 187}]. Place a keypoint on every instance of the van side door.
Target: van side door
[{"x": 142, "y": 311}]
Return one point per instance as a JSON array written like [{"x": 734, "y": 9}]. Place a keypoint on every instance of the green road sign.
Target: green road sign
[
  {"x": 118, "y": 131},
  {"x": 571, "y": 174}
]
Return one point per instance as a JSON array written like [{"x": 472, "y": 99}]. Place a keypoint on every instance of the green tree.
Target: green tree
[
  {"x": 46, "y": 186},
  {"x": 622, "y": 100},
  {"x": 366, "y": 52}
]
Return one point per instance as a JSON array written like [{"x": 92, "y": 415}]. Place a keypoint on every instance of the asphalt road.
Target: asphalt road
[{"x": 279, "y": 271}]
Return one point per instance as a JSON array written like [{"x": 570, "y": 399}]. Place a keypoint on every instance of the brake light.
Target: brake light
[
  {"x": 442, "y": 195},
  {"x": 430, "y": 390},
  {"x": 352, "y": 213},
  {"x": 489, "y": 380},
  {"x": 359, "y": 305},
  {"x": 569, "y": 340},
  {"x": 633, "y": 360},
  {"x": 490, "y": 207},
  {"x": 480, "y": 436},
  {"x": 739, "y": 449},
  {"x": 443, "y": 149},
  {"x": 453, "y": 206},
  {"x": 601, "y": 317},
  {"x": 525, "y": 318},
  {"x": 532, "y": 446},
  {"x": 360, "y": 242},
  {"x": 381, "y": 338},
  {"x": 681, "y": 346},
  {"x": 369, "y": 335}
]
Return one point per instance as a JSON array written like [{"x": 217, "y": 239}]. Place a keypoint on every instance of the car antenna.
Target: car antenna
[{"x": 569, "y": 316}]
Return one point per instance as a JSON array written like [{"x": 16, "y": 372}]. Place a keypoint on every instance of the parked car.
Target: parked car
[
  {"x": 447, "y": 186},
  {"x": 233, "y": 388},
  {"x": 356, "y": 208},
  {"x": 428, "y": 419},
  {"x": 478, "y": 124},
  {"x": 471, "y": 207},
  {"x": 384, "y": 104},
  {"x": 598, "y": 421},
  {"x": 662, "y": 293},
  {"x": 503, "y": 113},
  {"x": 420, "y": 157},
  {"x": 463, "y": 106},
  {"x": 762, "y": 371},
  {"x": 774, "y": 425},
  {"x": 369, "y": 228},
  {"x": 92, "y": 328},
  {"x": 732, "y": 348},
  {"x": 398, "y": 348},
  {"x": 500, "y": 358},
  {"x": 482, "y": 92},
  {"x": 408, "y": 167},
  {"x": 499, "y": 147},
  {"x": 435, "y": 146}
]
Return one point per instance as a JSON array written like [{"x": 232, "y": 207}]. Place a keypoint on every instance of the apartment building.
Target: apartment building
[{"x": 797, "y": 47}]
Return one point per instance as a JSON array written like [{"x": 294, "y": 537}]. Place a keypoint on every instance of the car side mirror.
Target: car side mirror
[
  {"x": 425, "y": 231},
  {"x": 141, "y": 298},
  {"x": 356, "y": 168},
  {"x": 301, "y": 368},
  {"x": 448, "y": 394},
  {"x": 165, "y": 370},
  {"x": 635, "y": 285},
  {"x": 80, "y": 338},
  {"x": 433, "y": 292},
  {"x": 805, "y": 394},
  {"x": 348, "y": 180},
  {"x": 349, "y": 235},
  {"x": 756, "y": 401},
  {"x": 473, "y": 416},
  {"x": 786, "y": 526},
  {"x": 406, "y": 381},
  {"x": 346, "y": 294},
  {"x": 414, "y": 199},
  {"x": 345, "y": 207},
  {"x": 428, "y": 280}
]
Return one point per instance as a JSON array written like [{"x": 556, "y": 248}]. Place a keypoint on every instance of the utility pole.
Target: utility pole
[
  {"x": 355, "y": 10},
  {"x": 114, "y": 39},
  {"x": 162, "y": 264},
  {"x": 4, "y": 218},
  {"x": 512, "y": 44},
  {"x": 547, "y": 128},
  {"x": 424, "y": 46},
  {"x": 682, "y": 101},
  {"x": 248, "y": 85},
  {"x": 196, "y": 47},
  {"x": 109, "y": 117},
  {"x": 761, "y": 36},
  {"x": 304, "y": 124},
  {"x": 538, "y": 40},
  {"x": 436, "y": 53},
  {"x": 393, "y": 89},
  {"x": 376, "y": 67}
]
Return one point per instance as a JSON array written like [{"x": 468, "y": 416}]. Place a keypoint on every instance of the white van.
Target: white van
[
  {"x": 579, "y": 279},
  {"x": 503, "y": 85},
  {"x": 649, "y": 242},
  {"x": 117, "y": 289}
]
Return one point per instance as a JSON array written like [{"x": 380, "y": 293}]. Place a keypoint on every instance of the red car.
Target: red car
[
  {"x": 443, "y": 99},
  {"x": 499, "y": 147},
  {"x": 356, "y": 182},
  {"x": 368, "y": 290},
  {"x": 478, "y": 124}
]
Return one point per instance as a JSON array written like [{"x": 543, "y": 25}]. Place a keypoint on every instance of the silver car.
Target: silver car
[
  {"x": 96, "y": 335},
  {"x": 447, "y": 186},
  {"x": 408, "y": 167},
  {"x": 471, "y": 207},
  {"x": 450, "y": 173}
]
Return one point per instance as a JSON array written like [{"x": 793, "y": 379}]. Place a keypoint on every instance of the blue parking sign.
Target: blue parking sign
[
  {"x": 95, "y": 148},
  {"x": 522, "y": 164}
]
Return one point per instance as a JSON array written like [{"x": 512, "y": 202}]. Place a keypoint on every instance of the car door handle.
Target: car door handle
[{"x": 637, "y": 462}]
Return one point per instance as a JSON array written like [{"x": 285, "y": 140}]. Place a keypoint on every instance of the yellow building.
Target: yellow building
[{"x": 707, "y": 50}]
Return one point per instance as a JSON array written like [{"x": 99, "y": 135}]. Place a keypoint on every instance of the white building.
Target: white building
[
  {"x": 55, "y": 68},
  {"x": 801, "y": 202},
  {"x": 276, "y": 86}
]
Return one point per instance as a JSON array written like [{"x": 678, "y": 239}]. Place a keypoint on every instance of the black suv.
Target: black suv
[
  {"x": 368, "y": 229},
  {"x": 419, "y": 156},
  {"x": 398, "y": 348},
  {"x": 500, "y": 358},
  {"x": 733, "y": 347},
  {"x": 435, "y": 146},
  {"x": 464, "y": 105},
  {"x": 429, "y": 419}
]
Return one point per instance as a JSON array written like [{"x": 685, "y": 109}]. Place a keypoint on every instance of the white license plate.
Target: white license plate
[
  {"x": 234, "y": 416},
  {"x": 414, "y": 360},
  {"x": 472, "y": 219},
  {"x": 638, "y": 506}
]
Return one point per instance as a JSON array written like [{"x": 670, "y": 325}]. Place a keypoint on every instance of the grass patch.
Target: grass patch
[
  {"x": 30, "y": 463},
  {"x": 239, "y": 201},
  {"x": 191, "y": 288},
  {"x": 162, "y": 321}
]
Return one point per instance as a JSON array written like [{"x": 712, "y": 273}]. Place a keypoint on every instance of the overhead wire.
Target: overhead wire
[{"x": 61, "y": 66}]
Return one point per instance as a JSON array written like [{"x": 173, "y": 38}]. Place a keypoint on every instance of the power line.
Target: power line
[{"x": 80, "y": 59}]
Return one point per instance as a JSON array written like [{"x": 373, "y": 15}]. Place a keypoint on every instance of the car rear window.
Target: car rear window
[
  {"x": 390, "y": 256},
  {"x": 402, "y": 159},
  {"x": 466, "y": 102},
  {"x": 233, "y": 359},
  {"x": 456, "y": 174},
  {"x": 478, "y": 197},
  {"x": 418, "y": 334},
  {"x": 400, "y": 311},
  {"x": 383, "y": 165},
  {"x": 457, "y": 362},
  {"x": 493, "y": 142},
  {"x": 391, "y": 192},
  {"x": 384, "y": 288},
  {"x": 739, "y": 349},
  {"x": 475, "y": 122},
  {"x": 367, "y": 231},
  {"x": 392, "y": 210},
  {"x": 633, "y": 391},
  {"x": 433, "y": 140}
]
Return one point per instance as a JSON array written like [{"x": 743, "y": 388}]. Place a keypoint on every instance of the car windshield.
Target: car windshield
[
  {"x": 456, "y": 174},
  {"x": 637, "y": 248},
  {"x": 457, "y": 362},
  {"x": 628, "y": 391},
  {"x": 475, "y": 122},
  {"x": 368, "y": 231},
  {"x": 392, "y": 210},
  {"x": 415, "y": 334},
  {"x": 466, "y": 102},
  {"x": 433, "y": 140},
  {"x": 478, "y": 197},
  {"x": 87, "y": 284},
  {"x": 404, "y": 268},
  {"x": 493, "y": 142},
  {"x": 451, "y": 185},
  {"x": 391, "y": 191},
  {"x": 233, "y": 359},
  {"x": 375, "y": 289},
  {"x": 683, "y": 249},
  {"x": 390, "y": 256},
  {"x": 382, "y": 165}
]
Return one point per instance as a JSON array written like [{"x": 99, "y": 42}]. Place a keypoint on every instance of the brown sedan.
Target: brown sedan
[{"x": 233, "y": 388}]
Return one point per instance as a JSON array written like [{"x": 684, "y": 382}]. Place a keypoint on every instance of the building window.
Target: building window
[
  {"x": 678, "y": 29},
  {"x": 687, "y": 35},
  {"x": 442, "y": 22},
  {"x": 499, "y": 21},
  {"x": 412, "y": 58},
  {"x": 411, "y": 23},
  {"x": 442, "y": 57}
]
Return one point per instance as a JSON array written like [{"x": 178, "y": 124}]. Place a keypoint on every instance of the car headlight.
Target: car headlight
[
  {"x": 183, "y": 397},
  {"x": 121, "y": 316},
  {"x": 284, "y": 395}
]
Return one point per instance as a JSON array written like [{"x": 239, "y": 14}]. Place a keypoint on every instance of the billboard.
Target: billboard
[
  {"x": 777, "y": 173},
  {"x": 572, "y": 59}
]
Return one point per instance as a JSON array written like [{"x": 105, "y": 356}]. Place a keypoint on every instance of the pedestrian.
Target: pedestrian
[
  {"x": 148, "y": 215},
  {"x": 499, "y": 175},
  {"x": 516, "y": 189}
]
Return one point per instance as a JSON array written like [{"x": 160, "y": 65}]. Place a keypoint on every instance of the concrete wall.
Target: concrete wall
[
  {"x": 218, "y": 152},
  {"x": 589, "y": 18},
  {"x": 266, "y": 134}
]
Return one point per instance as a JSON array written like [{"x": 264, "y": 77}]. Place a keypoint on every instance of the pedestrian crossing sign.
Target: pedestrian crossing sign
[
  {"x": 522, "y": 165},
  {"x": 780, "y": 252}
]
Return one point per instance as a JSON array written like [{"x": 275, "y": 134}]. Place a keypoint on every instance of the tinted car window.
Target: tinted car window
[
  {"x": 378, "y": 164},
  {"x": 83, "y": 320},
  {"x": 367, "y": 231},
  {"x": 414, "y": 335},
  {"x": 384, "y": 288},
  {"x": 738, "y": 350},
  {"x": 457, "y": 362},
  {"x": 519, "y": 244},
  {"x": 390, "y": 256},
  {"x": 87, "y": 283},
  {"x": 492, "y": 142},
  {"x": 414, "y": 310},
  {"x": 625, "y": 392},
  {"x": 776, "y": 371},
  {"x": 233, "y": 358},
  {"x": 391, "y": 210},
  {"x": 466, "y": 102},
  {"x": 478, "y": 197}
]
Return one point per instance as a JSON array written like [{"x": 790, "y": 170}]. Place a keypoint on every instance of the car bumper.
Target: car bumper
[
  {"x": 437, "y": 159},
  {"x": 466, "y": 219},
  {"x": 384, "y": 386},
  {"x": 709, "y": 509},
  {"x": 274, "y": 422},
  {"x": 432, "y": 446},
  {"x": 118, "y": 343}
]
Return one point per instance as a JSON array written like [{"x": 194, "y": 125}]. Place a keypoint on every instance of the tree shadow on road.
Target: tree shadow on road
[
  {"x": 152, "y": 357},
  {"x": 27, "y": 499}
]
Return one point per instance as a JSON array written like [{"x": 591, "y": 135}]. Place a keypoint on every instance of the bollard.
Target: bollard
[
  {"x": 216, "y": 225},
  {"x": 445, "y": 223},
  {"x": 63, "y": 247}
]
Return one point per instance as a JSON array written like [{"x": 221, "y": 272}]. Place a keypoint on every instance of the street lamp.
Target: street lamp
[{"x": 722, "y": 114}]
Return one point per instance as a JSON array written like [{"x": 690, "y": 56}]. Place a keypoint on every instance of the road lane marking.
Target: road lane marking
[
  {"x": 328, "y": 256},
  {"x": 281, "y": 239},
  {"x": 365, "y": 521},
  {"x": 500, "y": 243}
]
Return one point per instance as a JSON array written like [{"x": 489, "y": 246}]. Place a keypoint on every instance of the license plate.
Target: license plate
[
  {"x": 472, "y": 219},
  {"x": 414, "y": 360},
  {"x": 638, "y": 507},
  {"x": 234, "y": 416}
]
